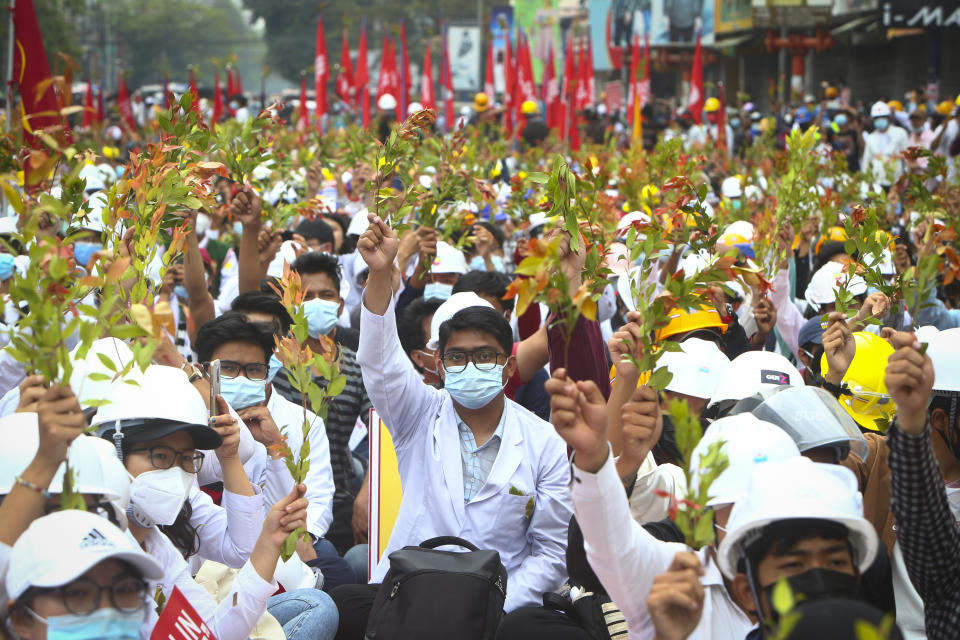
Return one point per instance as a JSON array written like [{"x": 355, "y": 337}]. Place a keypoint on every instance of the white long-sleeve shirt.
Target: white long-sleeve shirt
[
  {"x": 627, "y": 558},
  {"x": 227, "y": 532}
]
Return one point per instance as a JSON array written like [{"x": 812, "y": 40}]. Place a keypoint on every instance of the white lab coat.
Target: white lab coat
[
  {"x": 532, "y": 460},
  {"x": 228, "y": 532},
  {"x": 882, "y": 148},
  {"x": 627, "y": 558}
]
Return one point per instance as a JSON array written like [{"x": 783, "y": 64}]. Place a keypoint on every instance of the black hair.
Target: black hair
[
  {"x": 489, "y": 283},
  {"x": 783, "y": 535},
  {"x": 182, "y": 534},
  {"x": 410, "y": 323},
  {"x": 268, "y": 303},
  {"x": 316, "y": 262},
  {"x": 232, "y": 326},
  {"x": 496, "y": 231},
  {"x": 948, "y": 403},
  {"x": 479, "y": 319},
  {"x": 315, "y": 229}
]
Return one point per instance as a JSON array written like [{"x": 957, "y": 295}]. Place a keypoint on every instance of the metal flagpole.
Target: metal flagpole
[{"x": 12, "y": 38}]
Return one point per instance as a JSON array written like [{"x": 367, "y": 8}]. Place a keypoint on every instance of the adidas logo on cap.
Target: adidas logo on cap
[{"x": 95, "y": 539}]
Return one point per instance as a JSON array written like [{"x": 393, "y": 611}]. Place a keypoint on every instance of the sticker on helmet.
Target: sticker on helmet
[{"x": 768, "y": 376}]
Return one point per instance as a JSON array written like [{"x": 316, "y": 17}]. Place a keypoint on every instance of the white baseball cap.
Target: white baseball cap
[
  {"x": 61, "y": 547},
  {"x": 696, "y": 369},
  {"x": 449, "y": 259},
  {"x": 449, "y": 308}
]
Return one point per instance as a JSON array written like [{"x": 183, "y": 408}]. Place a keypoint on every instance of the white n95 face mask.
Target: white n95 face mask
[{"x": 156, "y": 497}]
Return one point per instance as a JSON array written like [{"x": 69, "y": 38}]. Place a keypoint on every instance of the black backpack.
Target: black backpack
[{"x": 429, "y": 594}]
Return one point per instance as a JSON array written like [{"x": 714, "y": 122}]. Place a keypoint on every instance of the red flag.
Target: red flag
[
  {"x": 509, "y": 80},
  {"x": 591, "y": 87},
  {"x": 231, "y": 87},
  {"x": 633, "y": 86},
  {"x": 645, "y": 83},
  {"x": 551, "y": 94},
  {"x": 526, "y": 89},
  {"x": 387, "y": 82},
  {"x": 217, "y": 99},
  {"x": 695, "y": 101},
  {"x": 404, "y": 101},
  {"x": 345, "y": 78},
  {"x": 320, "y": 74},
  {"x": 89, "y": 115},
  {"x": 362, "y": 78},
  {"x": 582, "y": 96},
  {"x": 571, "y": 111},
  {"x": 101, "y": 116},
  {"x": 722, "y": 117},
  {"x": 446, "y": 81},
  {"x": 489, "y": 87},
  {"x": 303, "y": 117},
  {"x": 427, "y": 99},
  {"x": 31, "y": 71},
  {"x": 123, "y": 103},
  {"x": 565, "y": 84},
  {"x": 195, "y": 95},
  {"x": 166, "y": 91}
]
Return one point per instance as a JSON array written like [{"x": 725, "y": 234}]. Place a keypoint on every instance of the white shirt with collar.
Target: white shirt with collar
[
  {"x": 627, "y": 558},
  {"x": 532, "y": 462}
]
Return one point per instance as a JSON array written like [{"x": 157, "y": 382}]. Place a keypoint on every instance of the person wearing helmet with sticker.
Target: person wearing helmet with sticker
[
  {"x": 924, "y": 473},
  {"x": 535, "y": 129},
  {"x": 802, "y": 522},
  {"x": 883, "y": 146}
]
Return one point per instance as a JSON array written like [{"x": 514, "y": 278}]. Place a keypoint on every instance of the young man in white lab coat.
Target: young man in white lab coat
[{"x": 473, "y": 463}]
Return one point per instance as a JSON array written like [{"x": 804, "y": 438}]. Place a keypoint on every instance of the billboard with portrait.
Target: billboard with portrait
[
  {"x": 463, "y": 44},
  {"x": 665, "y": 22}
]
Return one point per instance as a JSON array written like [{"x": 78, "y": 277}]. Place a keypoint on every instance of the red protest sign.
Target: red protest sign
[{"x": 180, "y": 621}]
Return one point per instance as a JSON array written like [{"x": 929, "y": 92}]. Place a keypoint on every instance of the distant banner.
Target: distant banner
[
  {"x": 903, "y": 14},
  {"x": 385, "y": 490},
  {"x": 464, "y": 51},
  {"x": 613, "y": 96},
  {"x": 540, "y": 20},
  {"x": 732, "y": 15},
  {"x": 501, "y": 26},
  {"x": 606, "y": 54},
  {"x": 667, "y": 22}
]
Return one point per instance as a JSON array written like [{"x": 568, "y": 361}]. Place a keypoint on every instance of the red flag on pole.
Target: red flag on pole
[
  {"x": 387, "y": 80},
  {"x": 345, "y": 77},
  {"x": 695, "y": 101},
  {"x": 582, "y": 97},
  {"x": 217, "y": 100},
  {"x": 320, "y": 75},
  {"x": 123, "y": 103},
  {"x": 572, "y": 110},
  {"x": 101, "y": 116},
  {"x": 526, "y": 88},
  {"x": 633, "y": 85},
  {"x": 231, "y": 87},
  {"x": 489, "y": 87},
  {"x": 362, "y": 78},
  {"x": 404, "y": 101},
  {"x": 590, "y": 85},
  {"x": 565, "y": 84},
  {"x": 509, "y": 83},
  {"x": 89, "y": 114},
  {"x": 31, "y": 71},
  {"x": 446, "y": 80},
  {"x": 194, "y": 94},
  {"x": 427, "y": 98},
  {"x": 551, "y": 93},
  {"x": 303, "y": 117}
]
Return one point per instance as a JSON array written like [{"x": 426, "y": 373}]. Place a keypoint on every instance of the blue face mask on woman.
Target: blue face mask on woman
[
  {"x": 881, "y": 124},
  {"x": 6, "y": 266},
  {"x": 477, "y": 263},
  {"x": 473, "y": 388},
  {"x": 242, "y": 392},
  {"x": 109, "y": 624},
  {"x": 841, "y": 120},
  {"x": 322, "y": 315}
]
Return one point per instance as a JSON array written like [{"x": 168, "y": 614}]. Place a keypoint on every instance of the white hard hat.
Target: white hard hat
[
  {"x": 8, "y": 225},
  {"x": 539, "y": 219},
  {"x": 386, "y": 102},
  {"x": 87, "y": 379},
  {"x": 449, "y": 308},
  {"x": 359, "y": 223},
  {"x": 696, "y": 369},
  {"x": 413, "y": 108},
  {"x": 162, "y": 402},
  {"x": 826, "y": 282},
  {"x": 59, "y": 548},
  {"x": 93, "y": 176},
  {"x": 886, "y": 266},
  {"x": 731, "y": 187},
  {"x": 287, "y": 254},
  {"x": 747, "y": 442},
  {"x": 944, "y": 350},
  {"x": 752, "y": 371},
  {"x": 449, "y": 259},
  {"x": 94, "y": 461},
  {"x": 93, "y": 220},
  {"x": 607, "y": 304},
  {"x": 627, "y": 221},
  {"x": 737, "y": 232},
  {"x": 752, "y": 192},
  {"x": 880, "y": 109},
  {"x": 795, "y": 489}
]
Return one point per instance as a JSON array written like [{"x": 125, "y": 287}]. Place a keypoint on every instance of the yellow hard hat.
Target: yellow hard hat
[
  {"x": 481, "y": 101},
  {"x": 831, "y": 92},
  {"x": 895, "y": 105},
  {"x": 712, "y": 104},
  {"x": 528, "y": 108},
  {"x": 957, "y": 101},
  {"x": 869, "y": 398},
  {"x": 885, "y": 238},
  {"x": 944, "y": 108},
  {"x": 686, "y": 321},
  {"x": 834, "y": 234}
]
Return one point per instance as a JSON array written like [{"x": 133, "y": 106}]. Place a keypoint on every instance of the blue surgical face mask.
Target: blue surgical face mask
[
  {"x": 238, "y": 228},
  {"x": 473, "y": 388},
  {"x": 736, "y": 204},
  {"x": 6, "y": 266},
  {"x": 881, "y": 124},
  {"x": 83, "y": 252},
  {"x": 841, "y": 120},
  {"x": 437, "y": 290},
  {"x": 108, "y": 623},
  {"x": 275, "y": 366},
  {"x": 181, "y": 292},
  {"x": 322, "y": 315},
  {"x": 241, "y": 392},
  {"x": 735, "y": 123},
  {"x": 477, "y": 263}
]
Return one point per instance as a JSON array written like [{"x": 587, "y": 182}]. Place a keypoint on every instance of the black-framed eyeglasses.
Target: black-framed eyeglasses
[
  {"x": 83, "y": 596},
  {"x": 252, "y": 370},
  {"x": 163, "y": 457},
  {"x": 483, "y": 359}
]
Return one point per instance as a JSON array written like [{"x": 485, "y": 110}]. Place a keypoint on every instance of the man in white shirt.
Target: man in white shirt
[
  {"x": 883, "y": 146},
  {"x": 473, "y": 463}
]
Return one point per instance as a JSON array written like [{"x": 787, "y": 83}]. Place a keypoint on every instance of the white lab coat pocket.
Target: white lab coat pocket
[{"x": 513, "y": 520}]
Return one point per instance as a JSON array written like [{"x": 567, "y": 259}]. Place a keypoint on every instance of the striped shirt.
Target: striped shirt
[
  {"x": 342, "y": 415},
  {"x": 477, "y": 461}
]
